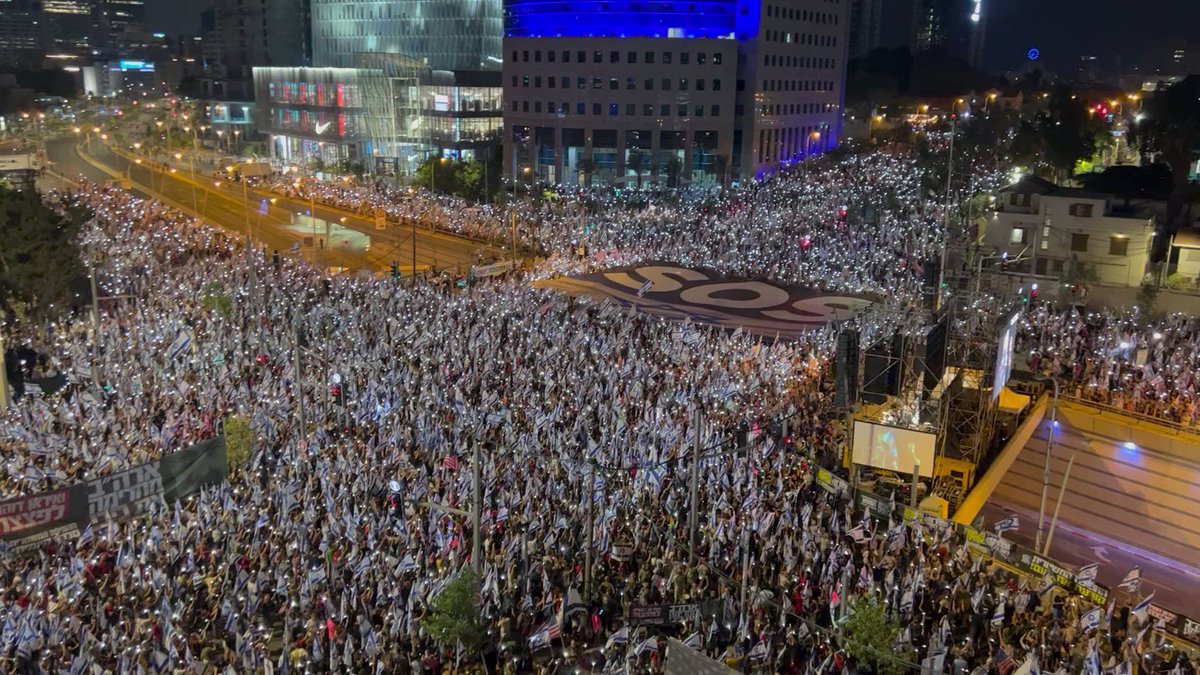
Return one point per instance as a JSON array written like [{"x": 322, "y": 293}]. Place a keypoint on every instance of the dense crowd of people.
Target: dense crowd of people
[
  {"x": 1119, "y": 358},
  {"x": 326, "y": 550}
]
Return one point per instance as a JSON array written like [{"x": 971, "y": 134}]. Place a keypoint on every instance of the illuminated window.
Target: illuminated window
[{"x": 1017, "y": 236}]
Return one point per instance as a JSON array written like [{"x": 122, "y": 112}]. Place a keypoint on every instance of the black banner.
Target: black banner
[
  {"x": 27, "y": 522},
  {"x": 669, "y": 615}
]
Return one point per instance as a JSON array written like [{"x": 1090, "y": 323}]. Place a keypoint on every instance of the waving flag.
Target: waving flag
[
  {"x": 1090, "y": 620},
  {"x": 1132, "y": 581},
  {"x": 1087, "y": 573},
  {"x": 645, "y": 288},
  {"x": 1008, "y": 524},
  {"x": 1142, "y": 609}
]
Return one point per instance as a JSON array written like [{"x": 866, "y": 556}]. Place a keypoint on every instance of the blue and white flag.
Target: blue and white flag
[
  {"x": 87, "y": 537},
  {"x": 998, "y": 614},
  {"x": 618, "y": 638},
  {"x": 645, "y": 288},
  {"x": 159, "y": 661},
  {"x": 182, "y": 341},
  {"x": 1142, "y": 609},
  {"x": 1087, "y": 573},
  {"x": 1132, "y": 581},
  {"x": 650, "y": 644},
  {"x": 1008, "y": 524},
  {"x": 1090, "y": 620}
]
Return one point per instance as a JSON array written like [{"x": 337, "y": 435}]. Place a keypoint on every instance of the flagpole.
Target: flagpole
[
  {"x": 475, "y": 509},
  {"x": 591, "y": 527},
  {"x": 1061, "y": 491},
  {"x": 1046, "y": 471},
  {"x": 693, "y": 492}
]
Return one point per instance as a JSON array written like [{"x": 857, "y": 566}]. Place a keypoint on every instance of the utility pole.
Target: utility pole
[
  {"x": 591, "y": 534},
  {"x": 299, "y": 372},
  {"x": 1046, "y": 471},
  {"x": 476, "y": 507},
  {"x": 693, "y": 492},
  {"x": 1061, "y": 491}
]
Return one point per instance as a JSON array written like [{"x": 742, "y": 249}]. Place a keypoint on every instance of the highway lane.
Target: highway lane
[
  {"x": 358, "y": 246},
  {"x": 1124, "y": 505}
]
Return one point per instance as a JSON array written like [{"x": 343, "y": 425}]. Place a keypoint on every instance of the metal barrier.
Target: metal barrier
[{"x": 1177, "y": 427}]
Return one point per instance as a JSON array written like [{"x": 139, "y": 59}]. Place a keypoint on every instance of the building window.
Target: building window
[
  {"x": 631, "y": 83},
  {"x": 716, "y": 85},
  {"x": 550, "y": 81},
  {"x": 630, "y": 109},
  {"x": 514, "y": 81},
  {"x": 566, "y": 56},
  {"x": 649, "y": 57},
  {"x": 595, "y": 108},
  {"x": 537, "y": 82},
  {"x": 664, "y": 110},
  {"x": 1044, "y": 244},
  {"x": 684, "y": 58},
  {"x": 597, "y": 56},
  {"x": 1018, "y": 199},
  {"x": 1118, "y": 245},
  {"x": 666, "y": 84},
  {"x": 683, "y": 84},
  {"x": 614, "y": 57},
  {"x": 699, "y": 111},
  {"x": 631, "y": 57},
  {"x": 525, "y": 56},
  {"x": 613, "y": 109},
  {"x": 648, "y": 110},
  {"x": 580, "y": 108},
  {"x": 1079, "y": 243},
  {"x": 566, "y": 82},
  {"x": 514, "y": 58},
  {"x": 1081, "y": 210},
  {"x": 1017, "y": 236},
  {"x": 580, "y": 56},
  {"x": 524, "y": 106},
  {"x": 581, "y": 82},
  {"x": 537, "y": 56},
  {"x": 550, "y": 55},
  {"x": 562, "y": 108},
  {"x": 700, "y": 58},
  {"x": 682, "y": 110},
  {"x": 716, "y": 111},
  {"x": 666, "y": 58},
  {"x": 700, "y": 84},
  {"x": 597, "y": 83},
  {"x": 717, "y": 58},
  {"x": 612, "y": 83},
  {"x": 525, "y": 81},
  {"x": 537, "y": 106},
  {"x": 648, "y": 85}
]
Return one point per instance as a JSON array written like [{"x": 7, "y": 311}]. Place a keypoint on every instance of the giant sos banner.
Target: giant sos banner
[{"x": 707, "y": 296}]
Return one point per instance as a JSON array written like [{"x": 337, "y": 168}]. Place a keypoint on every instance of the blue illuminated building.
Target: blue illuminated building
[{"x": 630, "y": 92}]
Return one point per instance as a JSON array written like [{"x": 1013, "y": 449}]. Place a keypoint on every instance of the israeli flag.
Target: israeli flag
[
  {"x": 408, "y": 564},
  {"x": 1132, "y": 581},
  {"x": 1008, "y": 524},
  {"x": 87, "y": 537},
  {"x": 618, "y": 638},
  {"x": 998, "y": 615},
  {"x": 1087, "y": 573},
  {"x": 1142, "y": 609},
  {"x": 1090, "y": 620},
  {"x": 182, "y": 342}
]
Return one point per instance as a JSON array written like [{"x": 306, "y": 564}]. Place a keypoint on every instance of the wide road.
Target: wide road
[
  {"x": 355, "y": 244},
  {"x": 1126, "y": 503}
]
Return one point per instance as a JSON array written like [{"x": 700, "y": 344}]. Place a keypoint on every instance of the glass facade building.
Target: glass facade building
[{"x": 455, "y": 35}]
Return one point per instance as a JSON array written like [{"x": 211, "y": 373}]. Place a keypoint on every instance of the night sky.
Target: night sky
[{"x": 1062, "y": 29}]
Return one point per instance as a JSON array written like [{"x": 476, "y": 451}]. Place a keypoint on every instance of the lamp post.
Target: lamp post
[{"x": 1046, "y": 471}]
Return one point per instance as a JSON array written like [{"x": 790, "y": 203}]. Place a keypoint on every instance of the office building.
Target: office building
[
  {"x": 70, "y": 25},
  {"x": 245, "y": 34},
  {"x": 463, "y": 35},
  {"x": 21, "y": 32},
  {"x": 866, "y": 20},
  {"x": 388, "y": 114},
  {"x": 676, "y": 93},
  {"x": 112, "y": 20},
  {"x": 955, "y": 28}
]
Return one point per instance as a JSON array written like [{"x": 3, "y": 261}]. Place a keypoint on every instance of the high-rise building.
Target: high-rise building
[
  {"x": 866, "y": 20},
  {"x": 458, "y": 35},
  {"x": 251, "y": 33},
  {"x": 21, "y": 32},
  {"x": 699, "y": 92},
  {"x": 70, "y": 25},
  {"x": 955, "y": 28},
  {"x": 112, "y": 19}
]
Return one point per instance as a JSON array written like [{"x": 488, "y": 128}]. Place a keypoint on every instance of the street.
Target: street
[
  {"x": 1125, "y": 505},
  {"x": 356, "y": 243}
]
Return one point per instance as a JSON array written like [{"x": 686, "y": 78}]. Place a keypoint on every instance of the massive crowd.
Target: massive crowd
[
  {"x": 1119, "y": 358},
  {"x": 326, "y": 549}
]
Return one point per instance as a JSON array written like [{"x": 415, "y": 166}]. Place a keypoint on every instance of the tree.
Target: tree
[
  {"x": 454, "y": 619},
  {"x": 637, "y": 164},
  {"x": 587, "y": 166},
  {"x": 1067, "y": 132},
  {"x": 39, "y": 257},
  {"x": 871, "y": 638},
  {"x": 1172, "y": 131},
  {"x": 674, "y": 167},
  {"x": 239, "y": 441}
]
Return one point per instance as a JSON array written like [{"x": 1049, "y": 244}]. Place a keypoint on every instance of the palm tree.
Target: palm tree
[
  {"x": 674, "y": 166},
  {"x": 587, "y": 166},
  {"x": 637, "y": 163}
]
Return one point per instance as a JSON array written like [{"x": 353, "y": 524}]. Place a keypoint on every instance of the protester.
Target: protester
[{"x": 324, "y": 552}]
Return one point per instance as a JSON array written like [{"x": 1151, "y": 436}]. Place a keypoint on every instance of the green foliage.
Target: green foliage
[
  {"x": 239, "y": 441},
  {"x": 1147, "y": 296},
  {"x": 454, "y": 616},
  {"x": 1171, "y": 131},
  {"x": 215, "y": 300},
  {"x": 39, "y": 256},
  {"x": 871, "y": 638}
]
